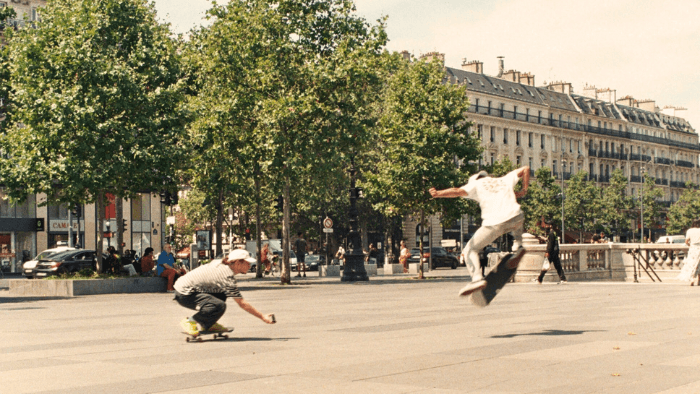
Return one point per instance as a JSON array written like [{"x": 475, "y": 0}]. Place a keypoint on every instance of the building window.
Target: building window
[
  {"x": 517, "y": 137},
  {"x": 493, "y": 133},
  {"x": 35, "y": 17},
  {"x": 517, "y": 160},
  {"x": 503, "y": 108},
  {"x": 492, "y": 158},
  {"x": 529, "y": 162},
  {"x": 542, "y": 163},
  {"x": 591, "y": 168},
  {"x": 505, "y": 136},
  {"x": 479, "y": 130},
  {"x": 529, "y": 140},
  {"x": 554, "y": 166},
  {"x": 542, "y": 141}
]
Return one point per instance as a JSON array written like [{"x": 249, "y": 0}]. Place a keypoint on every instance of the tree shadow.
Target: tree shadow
[
  {"x": 546, "y": 333},
  {"x": 15, "y": 300}
]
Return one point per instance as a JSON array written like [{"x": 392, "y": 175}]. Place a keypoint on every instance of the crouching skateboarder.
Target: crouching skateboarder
[
  {"x": 206, "y": 288},
  {"x": 500, "y": 213}
]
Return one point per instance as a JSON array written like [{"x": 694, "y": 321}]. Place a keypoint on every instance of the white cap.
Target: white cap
[{"x": 240, "y": 254}]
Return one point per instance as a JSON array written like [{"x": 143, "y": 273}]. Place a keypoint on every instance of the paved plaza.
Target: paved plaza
[{"x": 388, "y": 335}]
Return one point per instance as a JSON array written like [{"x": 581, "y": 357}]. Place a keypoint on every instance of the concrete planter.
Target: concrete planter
[
  {"x": 392, "y": 269},
  {"x": 371, "y": 269},
  {"x": 413, "y": 268},
  {"x": 71, "y": 288},
  {"x": 329, "y": 270}
]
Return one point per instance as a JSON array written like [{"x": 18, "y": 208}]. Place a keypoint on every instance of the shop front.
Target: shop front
[{"x": 18, "y": 227}]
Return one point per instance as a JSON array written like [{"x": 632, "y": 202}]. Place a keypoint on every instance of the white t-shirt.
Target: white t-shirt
[
  {"x": 693, "y": 235},
  {"x": 495, "y": 196}
]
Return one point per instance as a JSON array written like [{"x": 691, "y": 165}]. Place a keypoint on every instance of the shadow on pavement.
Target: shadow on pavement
[
  {"x": 14, "y": 300},
  {"x": 546, "y": 333}
]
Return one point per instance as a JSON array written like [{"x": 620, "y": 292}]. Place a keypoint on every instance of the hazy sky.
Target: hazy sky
[{"x": 641, "y": 48}]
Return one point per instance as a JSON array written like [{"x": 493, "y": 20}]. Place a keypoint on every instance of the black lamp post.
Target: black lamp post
[{"x": 354, "y": 259}]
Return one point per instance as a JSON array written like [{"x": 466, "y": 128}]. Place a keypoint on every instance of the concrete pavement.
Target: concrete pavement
[{"x": 388, "y": 335}]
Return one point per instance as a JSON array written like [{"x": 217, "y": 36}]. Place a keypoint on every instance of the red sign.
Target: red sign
[{"x": 10, "y": 255}]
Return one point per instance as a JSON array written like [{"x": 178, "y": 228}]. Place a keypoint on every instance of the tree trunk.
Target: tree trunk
[
  {"x": 100, "y": 230},
  {"x": 219, "y": 221},
  {"x": 258, "y": 229},
  {"x": 420, "y": 253},
  {"x": 286, "y": 219},
  {"x": 119, "y": 210}
]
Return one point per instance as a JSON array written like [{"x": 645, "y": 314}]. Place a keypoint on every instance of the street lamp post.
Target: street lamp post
[
  {"x": 643, "y": 170},
  {"x": 563, "y": 165},
  {"x": 355, "y": 259}
]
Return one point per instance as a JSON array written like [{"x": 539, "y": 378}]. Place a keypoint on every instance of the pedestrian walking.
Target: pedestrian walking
[
  {"x": 500, "y": 213},
  {"x": 206, "y": 288},
  {"x": 690, "y": 263},
  {"x": 300, "y": 246},
  {"x": 552, "y": 255}
]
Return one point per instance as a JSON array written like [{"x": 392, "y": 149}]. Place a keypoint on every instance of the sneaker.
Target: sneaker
[
  {"x": 216, "y": 327},
  {"x": 190, "y": 327},
  {"x": 472, "y": 287},
  {"x": 536, "y": 280},
  {"x": 514, "y": 261},
  {"x": 304, "y": 275},
  {"x": 562, "y": 282}
]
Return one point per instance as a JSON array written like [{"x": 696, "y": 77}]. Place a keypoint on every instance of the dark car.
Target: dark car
[
  {"x": 312, "y": 261},
  {"x": 67, "y": 262},
  {"x": 440, "y": 257}
]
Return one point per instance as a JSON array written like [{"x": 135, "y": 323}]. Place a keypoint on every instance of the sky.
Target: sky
[{"x": 640, "y": 48}]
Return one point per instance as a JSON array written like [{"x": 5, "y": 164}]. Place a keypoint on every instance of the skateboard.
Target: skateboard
[
  {"x": 217, "y": 335},
  {"x": 496, "y": 279}
]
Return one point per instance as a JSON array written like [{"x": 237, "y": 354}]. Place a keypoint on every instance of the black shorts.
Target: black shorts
[{"x": 300, "y": 258}]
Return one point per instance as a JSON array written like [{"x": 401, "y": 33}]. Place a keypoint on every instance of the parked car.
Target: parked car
[
  {"x": 440, "y": 257},
  {"x": 312, "y": 261},
  {"x": 671, "y": 239},
  {"x": 66, "y": 262},
  {"x": 29, "y": 267}
]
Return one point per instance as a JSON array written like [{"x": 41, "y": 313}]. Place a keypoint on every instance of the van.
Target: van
[{"x": 671, "y": 239}]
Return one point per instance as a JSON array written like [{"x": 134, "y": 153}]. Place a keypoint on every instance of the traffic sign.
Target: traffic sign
[
  {"x": 327, "y": 230},
  {"x": 328, "y": 223}
]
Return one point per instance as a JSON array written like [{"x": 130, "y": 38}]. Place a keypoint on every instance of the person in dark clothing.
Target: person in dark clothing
[
  {"x": 300, "y": 246},
  {"x": 552, "y": 254}
]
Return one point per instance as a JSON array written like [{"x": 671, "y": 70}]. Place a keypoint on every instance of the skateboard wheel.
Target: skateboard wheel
[
  {"x": 224, "y": 336},
  {"x": 187, "y": 339}
]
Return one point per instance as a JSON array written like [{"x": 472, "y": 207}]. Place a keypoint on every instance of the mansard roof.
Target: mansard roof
[
  {"x": 640, "y": 116},
  {"x": 596, "y": 107},
  {"x": 482, "y": 83}
]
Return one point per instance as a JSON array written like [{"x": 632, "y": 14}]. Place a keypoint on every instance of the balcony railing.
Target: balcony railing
[
  {"x": 683, "y": 163},
  {"x": 662, "y": 160},
  {"x": 636, "y": 179},
  {"x": 635, "y": 156},
  {"x": 580, "y": 127},
  {"x": 677, "y": 184}
]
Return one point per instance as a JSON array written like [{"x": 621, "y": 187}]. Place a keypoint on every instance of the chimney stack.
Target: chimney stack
[
  {"x": 405, "y": 55},
  {"x": 474, "y": 66},
  {"x": 647, "y": 105},
  {"x": 512, "y": 76},
  {"x": 628, "y": 101},
  {"x": 561, "y": 87},
  {"x": 428, "y": 57},
  {"x": 501, "y": 67},
  {"x": 527, "y": 79}
]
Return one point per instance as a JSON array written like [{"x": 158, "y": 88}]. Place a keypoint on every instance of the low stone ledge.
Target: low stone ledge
[
  {"x": 371, "y": 269},
  {"x": 413, "y": 268},
  {"x": 392, "y": 269},
  {"x": 71, "y": 288},
  {"x": 329, "y": 270}
]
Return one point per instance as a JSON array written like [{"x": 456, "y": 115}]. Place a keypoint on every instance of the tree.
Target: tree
[
  {"x": 615, "y": 205},
  {"x": 290, "y": 79},
  {"x": 684, "y": 211},
  {"x": 581, "y": 204},
  {"x": 96, "y": 95},
  {"x": 5, "y": 14},
  {"x": 421, "y": 136},
  {"x": 651, "y": 208},
  {"x": 541, "y": 201}
]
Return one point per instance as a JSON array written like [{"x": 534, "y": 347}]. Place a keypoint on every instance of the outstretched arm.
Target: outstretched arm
[
  {"x": 524, "y": 174},
  {"x": 251, "y": 309},
  {"x": 447, "y": 193}
]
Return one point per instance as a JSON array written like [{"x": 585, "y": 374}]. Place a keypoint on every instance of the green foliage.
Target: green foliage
[
  {"x": 581, "y": 204},
  {"x": 96, "y": 92},
  {"x": 541, "y": 201},
  {"x": 652, "y": 209},
  {"x": 684, "y": 211},
  {"x": 615, "y": 205},
  {"x": 421, "y": 136}
]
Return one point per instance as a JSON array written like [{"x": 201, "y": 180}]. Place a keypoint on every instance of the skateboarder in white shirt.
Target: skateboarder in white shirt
[{"x": 500, "y": 213}]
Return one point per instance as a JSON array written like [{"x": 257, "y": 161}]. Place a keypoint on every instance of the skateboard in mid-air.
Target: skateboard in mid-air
[
  {"x": 216, "y": 334},
  {"x": 497, "y": 278}
]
